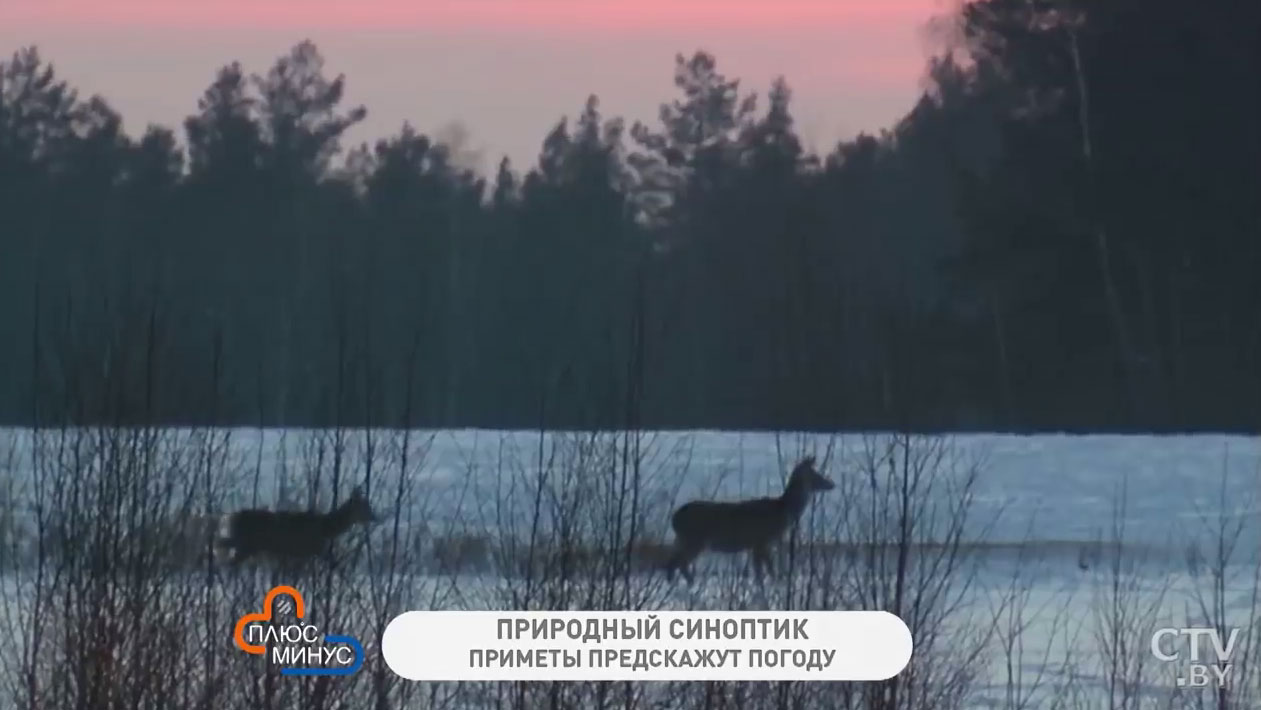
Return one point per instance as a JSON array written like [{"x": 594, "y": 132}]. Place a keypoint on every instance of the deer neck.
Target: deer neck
[
  {"x": 795, "y": 498},
  {"x": 337, "y": 521}
]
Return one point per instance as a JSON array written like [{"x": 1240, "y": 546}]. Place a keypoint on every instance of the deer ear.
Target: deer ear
[{"x": 809, "y": 461}]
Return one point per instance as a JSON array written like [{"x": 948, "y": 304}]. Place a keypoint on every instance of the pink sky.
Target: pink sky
[{"x": 506, "y": 69}]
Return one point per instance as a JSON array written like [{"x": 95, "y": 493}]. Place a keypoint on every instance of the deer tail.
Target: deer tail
[{"x": 224, "y": 539}]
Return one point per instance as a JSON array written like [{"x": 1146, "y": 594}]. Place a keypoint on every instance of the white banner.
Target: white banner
[{"x": 631, "y": 645}]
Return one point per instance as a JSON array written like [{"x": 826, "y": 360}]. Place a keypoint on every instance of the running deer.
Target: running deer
[
  {"x": 291, "y": 535},
  {"x": 752, "y": 525}
]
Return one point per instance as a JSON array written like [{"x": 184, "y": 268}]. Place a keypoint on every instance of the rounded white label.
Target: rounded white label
[{"x": 632, "y": 645}]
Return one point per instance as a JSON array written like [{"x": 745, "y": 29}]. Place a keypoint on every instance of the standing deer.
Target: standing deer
[
  {"x": 292, "y": 535},
  {"x": 752, "y": 525}
]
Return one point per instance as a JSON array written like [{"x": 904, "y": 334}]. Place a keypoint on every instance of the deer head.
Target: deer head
[
  {"x": 808, "y": 479},
  {"x": 357, "y": 509}
]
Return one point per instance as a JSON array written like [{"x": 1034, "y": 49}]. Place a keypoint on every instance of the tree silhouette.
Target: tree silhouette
[{"x": 1061, "y": 233}]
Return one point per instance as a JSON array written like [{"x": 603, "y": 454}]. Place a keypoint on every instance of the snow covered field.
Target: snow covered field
[
  {"x": 1046, "y": 487},
  {"x": 1073, "y": 546}
]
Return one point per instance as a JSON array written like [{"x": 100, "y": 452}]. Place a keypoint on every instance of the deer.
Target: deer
[
  {"x": 748, "y": 525},
  {"x": 291, "y": 535}
]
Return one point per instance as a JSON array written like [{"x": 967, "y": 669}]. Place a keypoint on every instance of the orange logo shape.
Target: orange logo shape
[{"x": 265, "y": 615}]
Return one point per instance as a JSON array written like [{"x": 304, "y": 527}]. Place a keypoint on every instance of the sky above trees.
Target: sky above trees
[
  {"x": 1061, "y": 234},
  {"x": 503, "y": 69}
]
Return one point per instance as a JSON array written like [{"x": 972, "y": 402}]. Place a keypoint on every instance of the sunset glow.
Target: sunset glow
[
  {"x": 455, "y": 14},
  {"x": 505, "y": 70}
]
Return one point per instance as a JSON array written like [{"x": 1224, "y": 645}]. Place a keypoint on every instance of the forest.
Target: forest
[{"x": 1063, "y": 233}]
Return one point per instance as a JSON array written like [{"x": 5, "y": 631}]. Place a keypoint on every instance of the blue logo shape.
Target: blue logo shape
[{"x": 349, "y": 641}]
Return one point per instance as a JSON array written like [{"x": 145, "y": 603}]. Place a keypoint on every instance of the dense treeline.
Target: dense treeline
[{"x": 1063, "y": 233}]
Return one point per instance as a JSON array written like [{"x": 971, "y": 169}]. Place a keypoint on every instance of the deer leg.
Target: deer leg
[
  {"x": 220, "y": 549},
  {"x": 681, "y": 560},
  {"x": 761, "y": 560},
  {"x": 687, "y": 572},
  {"x": 672, "y": 563},
  {"x": 240, "y": 554}
]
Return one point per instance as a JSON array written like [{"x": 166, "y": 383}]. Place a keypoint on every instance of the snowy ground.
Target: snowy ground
[
  {"x": 1042, "y": 508},
  {"x": 1046, "y": 487}
]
